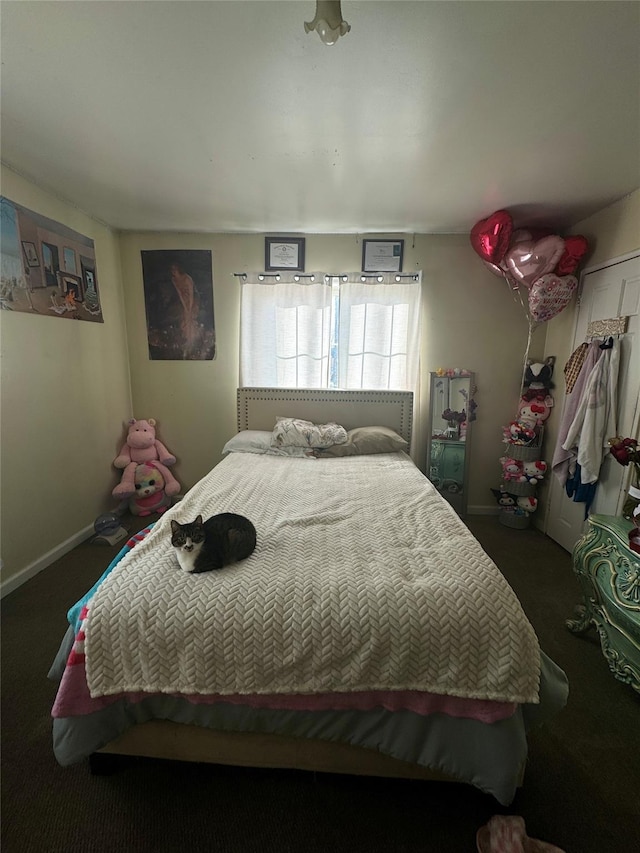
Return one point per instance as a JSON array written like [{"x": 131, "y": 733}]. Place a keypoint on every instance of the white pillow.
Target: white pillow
[
  {"x": 259, "y": 441},
  {"x": 293, "y": 432}
]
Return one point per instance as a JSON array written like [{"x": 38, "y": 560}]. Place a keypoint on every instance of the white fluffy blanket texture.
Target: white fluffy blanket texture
[{"x": 363, "y": 578}]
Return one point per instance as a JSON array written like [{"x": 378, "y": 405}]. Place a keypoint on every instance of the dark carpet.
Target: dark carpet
[{"x": 581, "y": 791}]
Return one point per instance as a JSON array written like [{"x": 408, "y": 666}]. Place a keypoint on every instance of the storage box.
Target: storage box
[
  {"x": 526, "y": 490},
  {"x": 510, "y": 519},
  {"x": 524, "y": 452}
]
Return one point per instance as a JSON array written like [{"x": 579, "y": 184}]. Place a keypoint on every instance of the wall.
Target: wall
[
  {"x": 470, "y": 319},
  {"x": 611, "y": 233},
  {"x": 64, "y": 387}
]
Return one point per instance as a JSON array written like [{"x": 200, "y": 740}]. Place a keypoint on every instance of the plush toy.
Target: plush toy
[
  {"x": 512, "y": 469},
  {"x": 504, "y": 499},
  {"x": 517, "y": 432},
  {"x": 150, "y": 495},
  {"x": 534, "y": 471},
  {"x": 143, "y": 446},
  {"x": 538, "y": 376},
  {"x": 535, "y": 412},
  {"x": 527, "y": 504}
]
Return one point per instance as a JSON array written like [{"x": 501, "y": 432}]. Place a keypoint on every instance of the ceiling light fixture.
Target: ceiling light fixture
[{"x": 328, "y": 22}]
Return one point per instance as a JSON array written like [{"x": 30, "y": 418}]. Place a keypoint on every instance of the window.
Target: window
[{"x": 319, "y": 331}]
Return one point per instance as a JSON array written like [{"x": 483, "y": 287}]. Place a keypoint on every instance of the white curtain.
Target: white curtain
[
  {"x": 285, "y": 330},
  {"x": 379, "y": 331}
]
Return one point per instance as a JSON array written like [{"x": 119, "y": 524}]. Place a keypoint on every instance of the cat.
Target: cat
[{"x": 217, "y": 542}]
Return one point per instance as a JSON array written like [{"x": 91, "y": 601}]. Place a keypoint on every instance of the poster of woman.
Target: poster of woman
[{"x": 178, "y": 293}]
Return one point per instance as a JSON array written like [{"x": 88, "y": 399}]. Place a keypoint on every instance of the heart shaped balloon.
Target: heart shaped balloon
[
  {"x": 549, "y": 295},
  {"x": 490, "y": 237},
  {"x": 494, "y": 268},
  {"x": 575, "y": 248},
  {"x": 528, "y": 261}
]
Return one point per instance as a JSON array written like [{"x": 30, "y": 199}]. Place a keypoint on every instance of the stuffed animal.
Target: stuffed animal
[
  {"x": 534, "y": 471},
  {"x": 143, "y": 446},
  {"x": 537, "y": 375},
  {"x": 527, "y": 504},
  {"x": 512, "y": 469},
  {"x": 517, "y": 432},
  {"x": 504, "y": 499},
  {"x": 535, "y": 412},
  {"x": 150, "y": 495}
]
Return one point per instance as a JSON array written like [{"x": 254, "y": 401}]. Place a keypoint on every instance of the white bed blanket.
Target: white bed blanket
[{"x": 363, "y": 578}]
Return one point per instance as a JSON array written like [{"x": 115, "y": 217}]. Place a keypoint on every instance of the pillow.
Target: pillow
[
  {"x": 259, "y": 441},
  {"x": 293, "y": 432},
  {"x": 365, "y": 440}
]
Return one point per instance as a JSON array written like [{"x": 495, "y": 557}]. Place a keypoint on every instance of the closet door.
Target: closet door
[{"x": 610, "y": 292}]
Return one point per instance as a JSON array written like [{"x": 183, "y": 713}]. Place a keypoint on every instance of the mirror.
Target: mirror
[{"x": 451, "y": 413}]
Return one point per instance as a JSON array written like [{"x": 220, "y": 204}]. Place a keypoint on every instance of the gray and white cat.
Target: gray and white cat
[{"x": 204, "y": 546}]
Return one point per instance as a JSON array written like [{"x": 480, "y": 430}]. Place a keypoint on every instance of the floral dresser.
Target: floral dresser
[{"x": 609, "y": 574}]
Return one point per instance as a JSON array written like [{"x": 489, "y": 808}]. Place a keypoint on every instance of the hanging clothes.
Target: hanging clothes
[
  {"x": 579, "y": 491},
  {"x": 596, "y": 416},
  {"x": 573, "y": 366},
  {"x": 564, "y": 461}
]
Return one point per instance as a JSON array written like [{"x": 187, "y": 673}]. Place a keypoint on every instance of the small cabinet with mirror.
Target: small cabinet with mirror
[{"x": 451, "y": 412}]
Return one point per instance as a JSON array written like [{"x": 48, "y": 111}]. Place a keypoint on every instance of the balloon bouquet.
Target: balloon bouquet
[{"x": 539, "y": 268}]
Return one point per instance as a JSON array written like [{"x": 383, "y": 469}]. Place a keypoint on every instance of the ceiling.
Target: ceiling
[{"x": 228, "y": 117}]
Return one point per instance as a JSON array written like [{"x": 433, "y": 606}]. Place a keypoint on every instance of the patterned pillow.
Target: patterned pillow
[
  {"x": 259, "y": 441},
  {"x": 293, "y": 432},
  {"x": 365, "y": 440}
]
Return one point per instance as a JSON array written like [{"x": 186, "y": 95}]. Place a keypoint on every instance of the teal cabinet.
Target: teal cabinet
[
  {"x": 447, "y": 469},
  {"x": 609, "y": 574}
]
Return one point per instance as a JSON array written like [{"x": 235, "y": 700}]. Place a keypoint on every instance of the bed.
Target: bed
[{"x": 368, "y": 633}]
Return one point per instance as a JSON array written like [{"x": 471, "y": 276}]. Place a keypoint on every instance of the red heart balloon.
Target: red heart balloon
[
  {"x": 490, "y": 237},
  {"x": 529, "y": 260},
  {"x": 575, "y": 248}
]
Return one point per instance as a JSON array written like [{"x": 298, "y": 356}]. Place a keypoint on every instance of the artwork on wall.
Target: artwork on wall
[
  {"x": 178, "y": 295},
  {"x": 38, "y": 266},
  {"x": 284, "y": 253}
]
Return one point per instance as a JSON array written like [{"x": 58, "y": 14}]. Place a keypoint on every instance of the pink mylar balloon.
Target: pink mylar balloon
[
  {"x": 494, "y": 268},
  {"x": 549, "y": 295},
  {"x": 520, "y": 235},
  {"x": 527, "y": 261},
  {"x": 490, "y": 237}
]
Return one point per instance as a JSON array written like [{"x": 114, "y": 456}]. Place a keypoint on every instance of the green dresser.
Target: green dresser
[
  {"x": 447, "y": 469},
  {"x": 609, "y": 575}
]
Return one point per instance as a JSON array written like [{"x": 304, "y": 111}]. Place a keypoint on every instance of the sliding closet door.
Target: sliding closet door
[{"x": 610, "y": 292}]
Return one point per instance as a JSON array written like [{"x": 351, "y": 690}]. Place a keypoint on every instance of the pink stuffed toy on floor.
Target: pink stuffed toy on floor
[
  {"x": 142, "y": 445},
  {"x": 507, "y": 834}
]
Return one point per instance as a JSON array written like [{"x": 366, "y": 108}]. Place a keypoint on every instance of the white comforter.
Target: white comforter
[{"x": 363, "y": 578}]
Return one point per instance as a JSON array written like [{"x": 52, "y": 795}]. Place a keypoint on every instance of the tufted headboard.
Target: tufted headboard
[{"x": 258, "y": 408}]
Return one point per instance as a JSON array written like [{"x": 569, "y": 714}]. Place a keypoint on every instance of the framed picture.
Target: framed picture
[
  {"x": 382, "y": 255},
  {"x": 284, "y": 253},
  {"x": 30, "y": 253}
]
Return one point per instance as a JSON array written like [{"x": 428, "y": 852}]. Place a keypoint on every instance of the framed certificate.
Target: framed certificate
[
  {"x": 382, "y": 255},
  {"x": 284, "y": 253}
]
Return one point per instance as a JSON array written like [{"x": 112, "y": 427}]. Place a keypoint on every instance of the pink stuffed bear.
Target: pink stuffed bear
[
  {"x": 150, "y": 495},
  {"x": 143, "y": 446}
]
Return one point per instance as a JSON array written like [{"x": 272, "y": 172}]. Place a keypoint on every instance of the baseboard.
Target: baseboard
[
  {"x": 483, "y": 510},
  {"x": 43, "y": 562}
]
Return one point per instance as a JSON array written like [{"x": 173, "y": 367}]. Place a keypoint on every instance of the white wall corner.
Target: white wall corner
[{"x": 45, "y": 561}]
